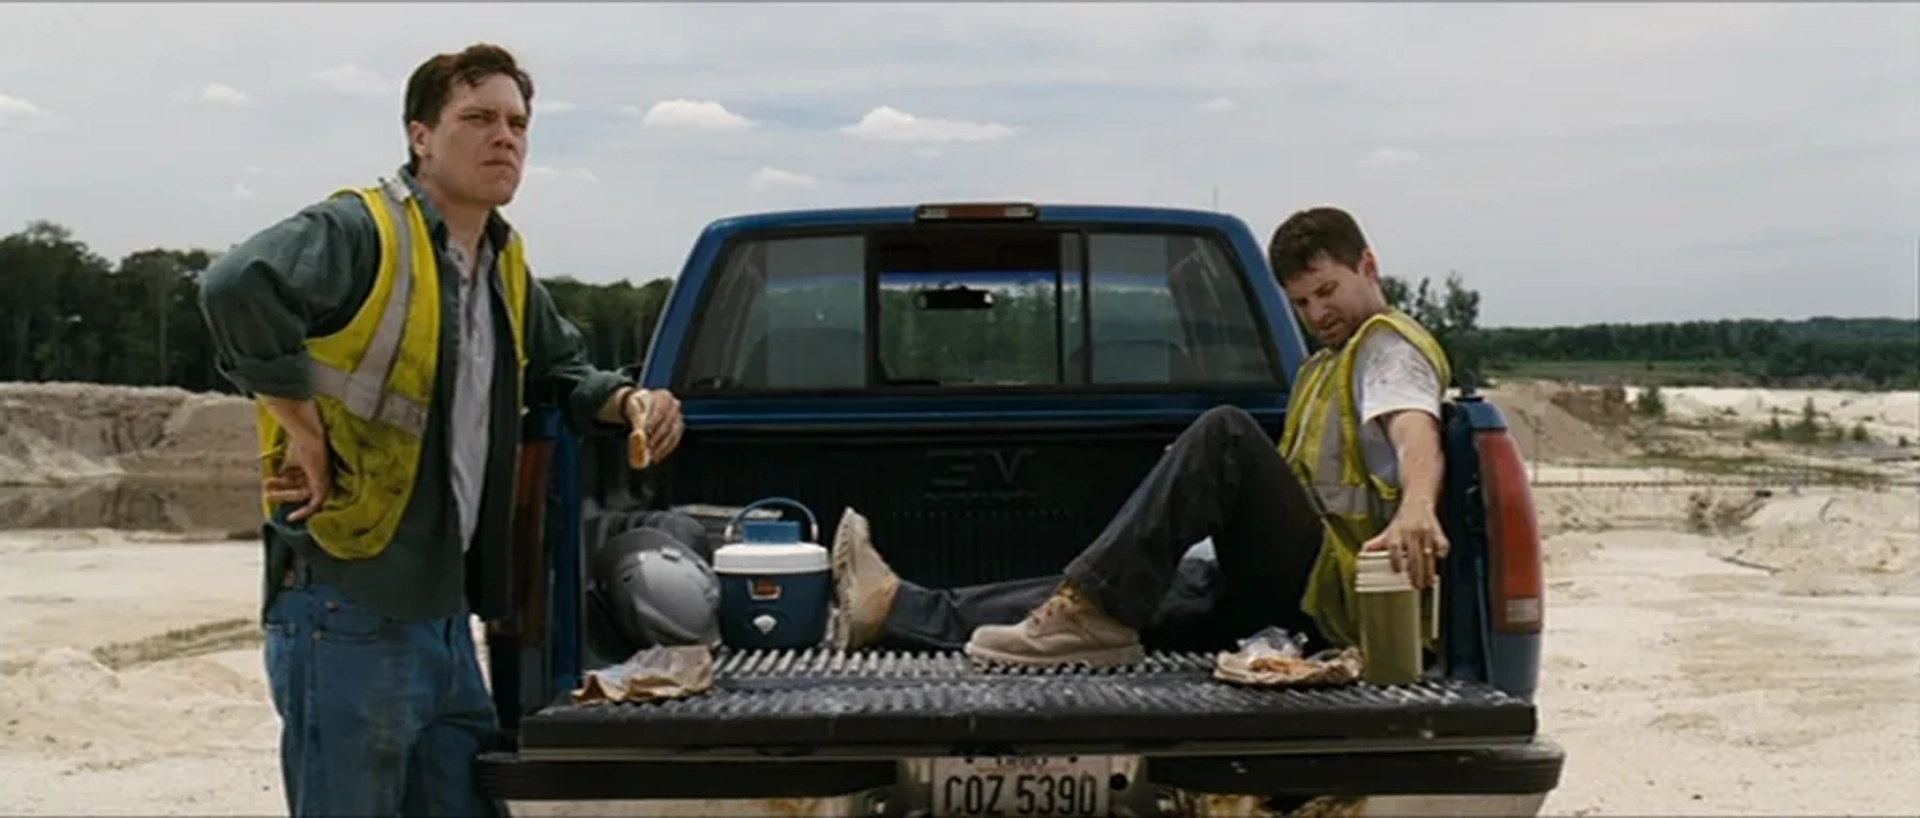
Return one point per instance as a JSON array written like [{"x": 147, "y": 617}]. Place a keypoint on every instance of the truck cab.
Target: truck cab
[{"x": 986, "y": 383}]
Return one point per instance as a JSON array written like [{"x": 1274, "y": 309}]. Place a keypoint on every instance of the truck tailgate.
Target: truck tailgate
[{"x": 825, "y": 702}]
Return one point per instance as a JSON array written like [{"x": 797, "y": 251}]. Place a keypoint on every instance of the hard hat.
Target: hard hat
[{"x": 658, "y": 590}]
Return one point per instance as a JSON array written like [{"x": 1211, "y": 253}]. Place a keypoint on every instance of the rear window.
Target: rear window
[{"x": 977, "y": 307}]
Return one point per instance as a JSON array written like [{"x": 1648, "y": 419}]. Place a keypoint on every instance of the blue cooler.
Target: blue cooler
[{"x": 775, "y": 588}]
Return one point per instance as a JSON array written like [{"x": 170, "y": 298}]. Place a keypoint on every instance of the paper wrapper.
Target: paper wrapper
[
  {"x": 650, "y": 675},
  {"x": 1271, "y": 658},
  {"x": 1332, "y": 806}
]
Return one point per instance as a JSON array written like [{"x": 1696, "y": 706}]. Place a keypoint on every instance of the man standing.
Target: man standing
[
  {"x": 390, "y": 335},
  {"x": 1359, "y": 466}
]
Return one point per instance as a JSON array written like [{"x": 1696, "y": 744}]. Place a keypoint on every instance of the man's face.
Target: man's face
[
  {"x": 1333, "y": 299},
  {"x": 476, "y": 152}
]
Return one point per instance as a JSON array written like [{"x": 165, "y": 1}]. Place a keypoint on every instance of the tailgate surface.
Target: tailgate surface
[{"x": 829, "y": 698}]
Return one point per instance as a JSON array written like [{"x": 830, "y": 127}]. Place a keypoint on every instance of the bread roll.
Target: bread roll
[{"x": 637, "y": 455}]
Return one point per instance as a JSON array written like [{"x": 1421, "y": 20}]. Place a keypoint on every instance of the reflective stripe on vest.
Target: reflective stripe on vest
[
  {"x": 364, "y": 391},
  {"x": 1321, "y": 441},
  {"x": 374, "y": 379}
]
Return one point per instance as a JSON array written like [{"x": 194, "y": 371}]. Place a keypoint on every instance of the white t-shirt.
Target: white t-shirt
[{"x": 1390, "y": 375}]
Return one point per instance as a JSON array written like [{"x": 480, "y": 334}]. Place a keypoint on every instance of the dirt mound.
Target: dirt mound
[
  {"x": 54, "y": 433},
  {"x": 1545, "y": 431},
  {"x": 1837, "y": 542},
  {"x": 1605, "y": 406},
  {"x": 69, "y": 701},
  {"x": 1711, "y": 513},
  {"x": 209, "y": 436}
]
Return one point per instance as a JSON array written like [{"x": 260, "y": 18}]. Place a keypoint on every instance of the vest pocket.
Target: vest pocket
[{"x": 344, "y": 462}]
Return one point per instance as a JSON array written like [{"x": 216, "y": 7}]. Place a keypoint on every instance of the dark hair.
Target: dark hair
[
  {"x": 432, "y": 83},
  {"x": 1308, "y": 235}
]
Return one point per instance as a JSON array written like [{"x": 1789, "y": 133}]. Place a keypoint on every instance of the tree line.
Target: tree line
[
  {"x": 69, "y": 314},
  {"x": 1847, "y": 353}
]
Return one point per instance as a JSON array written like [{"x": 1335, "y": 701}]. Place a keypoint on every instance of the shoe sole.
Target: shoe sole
[
  {"x": 840, "y": 623},
  {"x": 1103, "y": 658}
]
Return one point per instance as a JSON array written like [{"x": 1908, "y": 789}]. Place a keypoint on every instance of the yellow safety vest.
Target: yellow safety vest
[
  {"x": 1356, "y": 503},
  {"x": 373, "y": 380}
]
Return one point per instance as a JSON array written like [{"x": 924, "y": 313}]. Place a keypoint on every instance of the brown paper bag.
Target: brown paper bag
[{"x": 650, "y": 675}]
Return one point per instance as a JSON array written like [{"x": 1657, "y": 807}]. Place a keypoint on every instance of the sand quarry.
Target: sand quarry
[{"x": 1709, "y": 651}]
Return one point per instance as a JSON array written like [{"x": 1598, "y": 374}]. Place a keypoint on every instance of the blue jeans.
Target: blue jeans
[{"x": 378, "y": 716}]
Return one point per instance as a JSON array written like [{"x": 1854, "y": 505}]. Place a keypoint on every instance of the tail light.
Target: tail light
[
  {"x": 976, "y": 211},
  {"x": 1518, "y": 586},
  {"x": 527, "y": 577}
]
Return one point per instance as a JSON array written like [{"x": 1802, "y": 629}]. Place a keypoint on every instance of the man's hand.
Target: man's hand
[
  {"x": 1414, "y": 542},
  {"x": 659, "y": 410},
  {"x": 305, "y": 476}
]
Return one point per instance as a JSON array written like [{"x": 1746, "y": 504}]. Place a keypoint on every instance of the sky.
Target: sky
[{"x": 1575, "y": 163}]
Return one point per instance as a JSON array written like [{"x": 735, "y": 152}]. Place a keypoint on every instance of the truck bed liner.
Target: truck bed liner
[{"x": 824, "y": 699}]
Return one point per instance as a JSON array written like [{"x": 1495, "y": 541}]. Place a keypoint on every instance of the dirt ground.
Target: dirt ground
[
  {"x": 1681, "y": 683},
  {"x": 1708, "y": 652}
]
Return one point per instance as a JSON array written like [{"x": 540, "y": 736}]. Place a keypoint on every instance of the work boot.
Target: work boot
[
  {"x": 863, "y": 584},
  {"x": 1065, "y": 630}
]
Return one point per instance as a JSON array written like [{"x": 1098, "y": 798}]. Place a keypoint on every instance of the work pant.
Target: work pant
[
  {"x": 1221, "y": 479},
  {"x": 378, "y": 716}
]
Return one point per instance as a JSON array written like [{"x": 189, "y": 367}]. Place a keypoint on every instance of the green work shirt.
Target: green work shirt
[{"x": 305, "y": 277}]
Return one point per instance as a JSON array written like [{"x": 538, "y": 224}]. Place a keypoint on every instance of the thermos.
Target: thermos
[{"x": 1389, "y": 621}]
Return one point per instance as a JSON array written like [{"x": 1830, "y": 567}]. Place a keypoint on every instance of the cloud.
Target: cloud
[
  {"x": 558, "y": 106},
  {"x": 889, "y": 124},
  {"x": 218, "y": 94},
  {"x": 689, "y": 113},
  {"x": 1391, "y": 156},
  {"x": 20, "y": 115},
  {"x": 21, "y": 109},
  {"x": 242, "y": 193},
  {"x": 1219, "y": 105},
  {"x": 767, "y": 177},
  {"x": 348, "y": 78}
]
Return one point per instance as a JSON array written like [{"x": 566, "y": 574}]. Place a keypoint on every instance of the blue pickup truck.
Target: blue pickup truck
[{"x": 816, "y": 362}]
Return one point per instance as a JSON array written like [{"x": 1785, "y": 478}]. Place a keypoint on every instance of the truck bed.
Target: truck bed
[
  {"x": 826, "y": 703},
  {"x": 950, "y": 504}
]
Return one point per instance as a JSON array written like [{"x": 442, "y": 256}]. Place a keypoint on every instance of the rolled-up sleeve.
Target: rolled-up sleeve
[
  {"x": 557, "y": 364},
  {"x": 265, "y": 297}
]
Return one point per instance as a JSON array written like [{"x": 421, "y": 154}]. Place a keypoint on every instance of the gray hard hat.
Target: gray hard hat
[{"x": 658, "y": 589}]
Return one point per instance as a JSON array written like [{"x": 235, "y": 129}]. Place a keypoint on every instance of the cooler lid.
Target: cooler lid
[
  {"x": 770, "y": 531},
  {"x": 770, "y": 558}
]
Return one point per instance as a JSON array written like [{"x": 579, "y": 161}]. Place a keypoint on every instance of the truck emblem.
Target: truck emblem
[{"x": 962, "y": 468}]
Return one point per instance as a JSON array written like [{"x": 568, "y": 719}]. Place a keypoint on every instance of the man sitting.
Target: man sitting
[{"x": 1362, "y": 430}]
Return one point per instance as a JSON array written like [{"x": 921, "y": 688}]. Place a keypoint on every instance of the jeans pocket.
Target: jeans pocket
[
  {"x": 281, "y": 655},
  {"x": 281, "y": 624},
  {"x": 342, "y": 621}
]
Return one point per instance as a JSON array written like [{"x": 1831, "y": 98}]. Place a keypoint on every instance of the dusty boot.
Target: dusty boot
[
  {"x": 1066, "y": 630},
  {"x": 863, "y": 585}
]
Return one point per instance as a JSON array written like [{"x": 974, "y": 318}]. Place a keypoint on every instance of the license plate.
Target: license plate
[{"x": 1013, "y": 786}]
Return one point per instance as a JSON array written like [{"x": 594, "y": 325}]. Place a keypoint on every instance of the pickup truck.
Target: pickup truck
[{"x": 820, "y": 355}]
